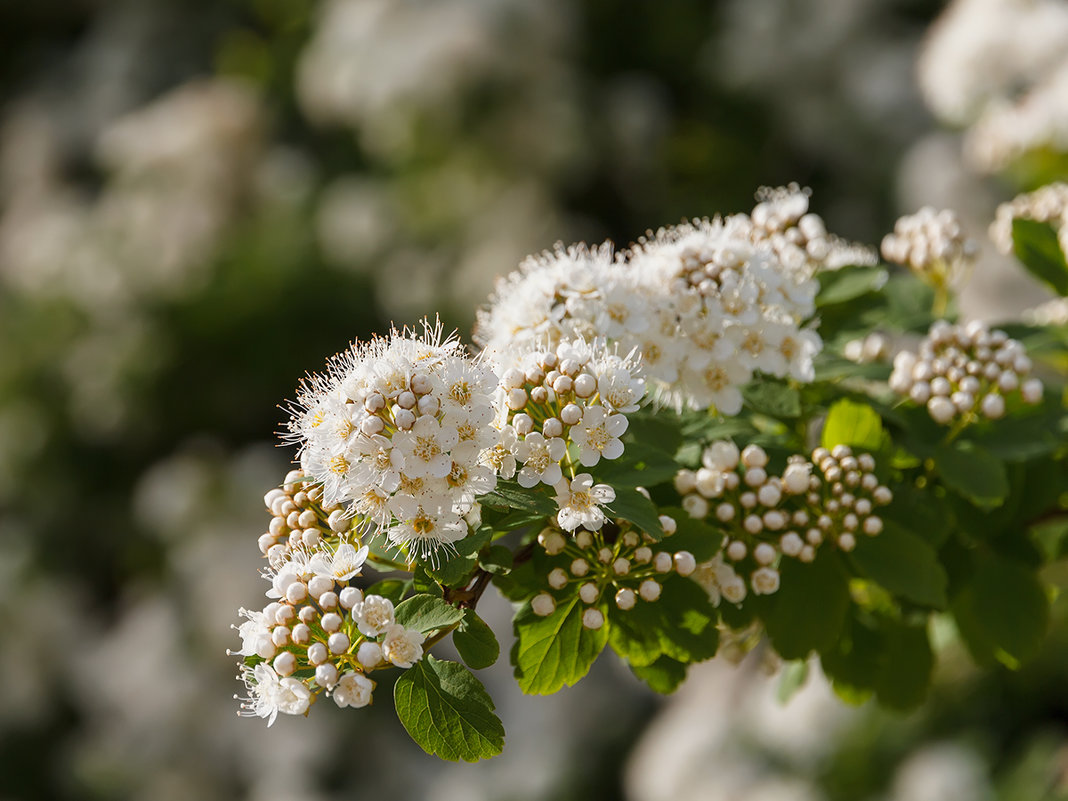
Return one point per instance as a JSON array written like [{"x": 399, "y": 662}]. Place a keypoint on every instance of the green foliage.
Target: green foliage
[
  {"x": 848, "y": 284},
  {"x": 808, "y": 611},
  {"x": 634, "y": 507},
  {"x": 426, "y": 613},
  {"x": 904, "y": 564},
  {"x": 476, "y": 642},
  {"x": 1036, "y": 246},
  {"x": 554, "y": 651},
  {"x": 1002, "y": 611},
  {"x": 641, "y": 465},
  {"x": 447, "y": 711},
  {"x": 855, "y": 424},
  {"x": 973, "y": 472},
  {"x": 664, "y": 675},
  {"x": 680, "y": 625},
  {"x": 773, "y": 398}
]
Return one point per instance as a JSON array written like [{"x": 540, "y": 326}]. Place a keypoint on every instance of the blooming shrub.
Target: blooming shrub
[{"x": 661, "y": 445}]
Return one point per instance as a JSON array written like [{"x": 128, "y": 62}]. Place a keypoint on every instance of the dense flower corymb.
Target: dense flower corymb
[{"x": 395, "y": 431}]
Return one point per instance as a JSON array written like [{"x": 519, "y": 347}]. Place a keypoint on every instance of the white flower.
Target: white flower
[
  {"x": 501, "y": 457},
  {"x": 426, "y": 448},
  {"x": 765, "y": 581},
  {"x": 342, "y": 565},
  {"x": 580, "y": 502},
  {"x": 255, "y": 633},
  {"x": 353, "y": 689},
  {"x": 373, "y": 615},
  {"x": 541, "y": 460},
  {"x": 598, "y": 435},
  {"x": 618, "y": 384},
  {"x": 425, "y": 525},
  {"x": 403, "y": 647},
  {"x": 269, "y": 694},
  {"x": 293, "y": 697}
]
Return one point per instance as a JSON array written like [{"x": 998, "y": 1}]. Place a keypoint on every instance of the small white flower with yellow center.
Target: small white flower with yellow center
[
  {"x": 580, "y": 502},
  {"x": 501, "y": 458},
  {"x": 353, "y": 689},
  {"x": 597, "y": 435},
  {"x": 426, "y": 448},
  {"x": 425, "y": 524},
  {"x": 373, "y": 615},
  {"x": 340, "y": 566},
  {"x": 403, "y": 647},
  {"x": 541, "y": 460}
]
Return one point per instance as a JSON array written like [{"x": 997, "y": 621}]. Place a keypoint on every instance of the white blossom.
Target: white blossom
[
  {"x": 580, "y": 502},
  {"x": 403, "y": 647}
]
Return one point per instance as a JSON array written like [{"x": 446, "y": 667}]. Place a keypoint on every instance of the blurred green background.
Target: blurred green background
[{"x": 199, "y": 201}]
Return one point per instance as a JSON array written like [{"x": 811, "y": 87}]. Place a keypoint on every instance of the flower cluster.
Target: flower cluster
[
  {"x": 831, "y": 498},
  {"x": 319, "y": 636},
  {"x": 737, "y": 307},
  {"x": 1048, "y": 204},
  {"x": 565, "y": 294},
  {"x": 395, "y": 431},
  {"x": 616, "y": 562},
  {"x": 799, "y": 237},
  {"x": 932, "y": 244},
  {"x": 964, "y": 369},
  {"x": 299, "y": 520},
  {"x": 705, "y": 303},
  {"x": 568, "y": 405}
]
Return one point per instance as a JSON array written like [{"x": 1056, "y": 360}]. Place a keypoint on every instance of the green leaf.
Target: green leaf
[
  {"x": 1036, "y": 246},
  {"x": 631, "y": 505},
  {"x": 773, "y": 398},
  {"x": 651, "y": 425},
  {"x": 663, "y": 676},
  {"x": 475, "y": 642},
  {"x": 848, "y": 283},
  {"x": 641, "y": 465},
  {"x": 393, "y": 589},
  {"x": 922, "y": 512},
  {"x": 447, "y": 711},
  {"x": 808, "y": 611},
  {"x": 904, "y": 674},
  {"x": 554, "y": 651},
  {"x": 1002, "y": 612},
  {"x": 854, "y": 424},
  {"x": 426, "y": 613},
  {"x": 497, "y": 560},
  {"x": 681, "y": 625},
  {"x": 458, "y": 566},
  {"x": 904, "y": 564},
  {"x": 973, "y": 472},
  {"x": 509, "y": 495}
]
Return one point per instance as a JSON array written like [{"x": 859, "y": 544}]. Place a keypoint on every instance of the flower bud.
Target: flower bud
[
  {"x": 326, "y": 675},
  {"x": 685, "y": 563},
  {"x": 736, "y": 551},
  {"x": 663, "y": 562},
  {"x": 649, "y": 590},
  {"x": 643, "y": 554},
  {"x": 542, "y": 604},
  {"x": 625, "y": 599},
  {"x": 338, "y": 642},
  {"x": 571, "y": 414},
  {"x": 331, "y": 622},
  {"x": 552, "y": 428},
  {"x": 557, "y": 578},
  {"x": 317, "y": 653},
  {"x": 285, "y": 663},
  {"x": 349, "y": 597},
  {"x": 369, "y": 654},
  {"x": 588, "y": 592},
  {"x": 592, "y": 619},
  {"x": 580, "y": 567}
]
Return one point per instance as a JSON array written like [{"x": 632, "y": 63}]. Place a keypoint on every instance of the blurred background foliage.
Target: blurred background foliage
[{"x": 201, "y": 200}]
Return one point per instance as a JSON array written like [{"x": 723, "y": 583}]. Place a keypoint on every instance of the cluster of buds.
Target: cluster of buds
[
  {"x": 564, "y": 406},
  {"x": 874, "y": 347},
  {"x": 299, "y": 520},
  {"x": 318, "y": 635},
  {"x": 830, "y": 499},
  {"x": 962, "y": 371},
  {"x": 617, "y": 564},
  {"x": 932, "y": 244},
  {"x": 798, "y": 236}
]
